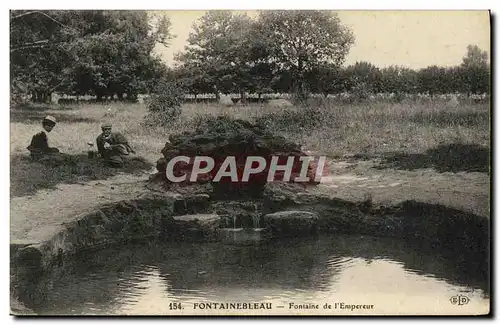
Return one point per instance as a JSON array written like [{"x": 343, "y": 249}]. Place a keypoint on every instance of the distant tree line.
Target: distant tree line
[
  {"x": 303, "y": 52},
  {"x": 470, "y": 77},
  {"x": 110, "y": 54}
]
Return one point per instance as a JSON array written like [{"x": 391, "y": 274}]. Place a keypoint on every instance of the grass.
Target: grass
[
  {"x": 370, "y": 128},
  {"x": 331, "y": 128},
  {"x": 27, "y": 178}
]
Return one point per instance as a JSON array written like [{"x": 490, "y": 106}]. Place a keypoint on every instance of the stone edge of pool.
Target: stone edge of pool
[{"x": 285, "y": 211}]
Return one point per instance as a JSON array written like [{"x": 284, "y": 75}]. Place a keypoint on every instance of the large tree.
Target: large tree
[
  {"x": 476, "y": 71},
  {"x": 218, "y": 50},
  {"x": 192, "y": 78},
  {"x": 85, "y": 52},
  {"x": 39, "y": 50},
  {"x": 303, "y": 40}
]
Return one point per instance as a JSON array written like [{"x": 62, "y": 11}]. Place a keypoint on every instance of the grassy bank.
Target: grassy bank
[{"x": 425, "y": 130}]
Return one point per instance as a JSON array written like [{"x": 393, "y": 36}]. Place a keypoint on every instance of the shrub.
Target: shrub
[
  {"x": 164, "y": 104},
  {"x": 361, "y": 92},
  {"x": 399, "y": 96}
]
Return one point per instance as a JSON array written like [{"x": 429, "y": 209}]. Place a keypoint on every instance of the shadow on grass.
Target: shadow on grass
[
  {"x": 27, "y": 177},
  {"x": 454, "y": 157},
  {"x": 36, "y": 116}
]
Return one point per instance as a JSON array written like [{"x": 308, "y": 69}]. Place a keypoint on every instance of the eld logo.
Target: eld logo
[{"x": 459, "y": 300}]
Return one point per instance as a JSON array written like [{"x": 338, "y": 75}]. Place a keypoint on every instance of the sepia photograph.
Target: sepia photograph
[{"x": 250, "y": 162}]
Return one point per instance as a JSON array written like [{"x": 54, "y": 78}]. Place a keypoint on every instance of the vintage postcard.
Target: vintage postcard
[{"x": 273, "y": 162}]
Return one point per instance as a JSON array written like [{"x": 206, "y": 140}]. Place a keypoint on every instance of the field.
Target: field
[{"x": 410, "y": 134}]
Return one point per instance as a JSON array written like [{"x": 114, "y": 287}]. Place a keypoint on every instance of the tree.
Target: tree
[
  {"x": 218, "y": 50},
  {"x": 430, "y": 80},
  {"x": 261, "y": 78},
  {"x": 475, "y": 57},
  {"x": 302, "y": 40},
  {"x": 192, "y": 79},
  {"x": 257, "y": 52},
  {"x": 398, "y": 80},
  {"x": 39, "y": 43},
  {"x": 364, "y": 74},
  {"x": 327, "y": 79},
  {"x": 455, "y": 80},
  {"x": 117, "y": 55},
  {"x": 282, "y": 81},
  {"x": 475, "y": 71},
  {"x": 85, "y": 52}
]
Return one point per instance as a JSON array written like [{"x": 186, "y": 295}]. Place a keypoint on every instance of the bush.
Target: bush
[
  {"x": 399, "y": 97},
  {"x": 361, "y": 92},
  {"x": 164, "y": 104}
]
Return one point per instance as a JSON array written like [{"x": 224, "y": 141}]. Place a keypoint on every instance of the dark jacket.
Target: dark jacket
[
  {"x": 39, "y": 144},
  {"x": 119, "y": 145}
]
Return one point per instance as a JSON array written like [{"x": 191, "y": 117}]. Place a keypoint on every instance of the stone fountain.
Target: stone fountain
[{"x": 219, "y": 138}]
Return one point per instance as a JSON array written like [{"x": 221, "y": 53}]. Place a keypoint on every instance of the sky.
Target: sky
[{"x": 414, "y": 39}]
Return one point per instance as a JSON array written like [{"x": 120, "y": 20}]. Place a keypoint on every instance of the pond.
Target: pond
[{"x": 388, "y": 276}]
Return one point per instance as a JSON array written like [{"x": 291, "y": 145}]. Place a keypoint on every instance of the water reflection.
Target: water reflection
[{"x": 143, "y": 279}]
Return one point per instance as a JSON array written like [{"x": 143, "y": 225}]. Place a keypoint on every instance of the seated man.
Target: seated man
[
  {"x": 39, "y": 147},
  {"x": 112, "y": 146}
]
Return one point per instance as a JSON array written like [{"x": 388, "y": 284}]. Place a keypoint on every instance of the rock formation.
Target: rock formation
[{"x": 222, "y": 137}]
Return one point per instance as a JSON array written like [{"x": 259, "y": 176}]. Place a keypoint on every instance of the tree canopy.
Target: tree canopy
[
  {"x": 300, "y": 41},
  {"x": 101, "y": 53},
  {"x": 111, "y": 53},
  {"x": 236, "y": 52}
]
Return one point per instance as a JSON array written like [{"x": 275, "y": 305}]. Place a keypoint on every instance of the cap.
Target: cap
[
  {"x": 50, "y": 118},
  {"x": 106, "y": 126}
]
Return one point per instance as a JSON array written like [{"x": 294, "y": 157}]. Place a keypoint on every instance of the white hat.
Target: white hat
[{"x": 50, "y": 118}]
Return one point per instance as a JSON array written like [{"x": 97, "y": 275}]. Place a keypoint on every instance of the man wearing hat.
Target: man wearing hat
[
  {"x": 39, "y": 146},
  {"x": 113, "y": 146}
]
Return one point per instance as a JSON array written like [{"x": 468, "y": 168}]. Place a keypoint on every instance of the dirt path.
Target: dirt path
[
  {"x": 355, "y": 181},
  {"x": 37, "y": 218}
]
